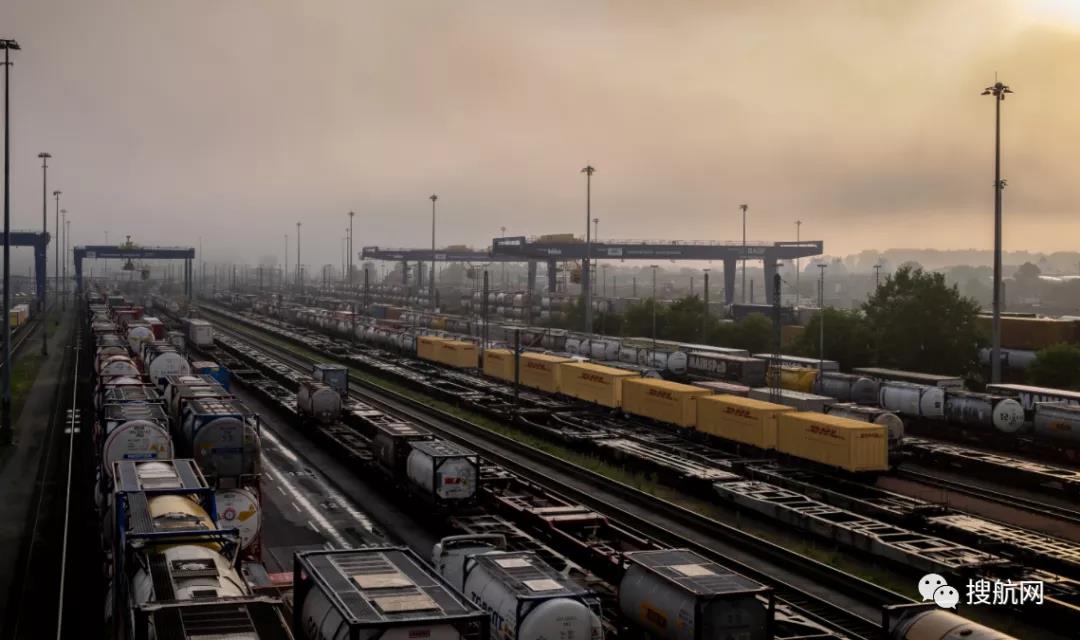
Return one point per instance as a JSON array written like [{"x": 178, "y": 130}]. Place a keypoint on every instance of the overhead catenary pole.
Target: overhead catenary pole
[
  {"x": 351, "y": 215},
  {"x": 705, "y": 316},
  {"x": 431, "y": 282},
  {"x": 586, "y": 280},
  {"x": 821, "y": 320},
  {"x": 653, "y": 267},
  {"x": 744, "y": 207},
  {"x": 285, "y": 269},
  {"x": 998, "y": 90},
  {"x": 877, "y": 276},
  {"x": 44, "y": 283},
  {"x": 67, "y": 232},
  {"x": 5, "y": 406},
  {"x": 56, "y": 250},
  {"x": 299, "y": 282},
  {"x": 798, "y": 263}
]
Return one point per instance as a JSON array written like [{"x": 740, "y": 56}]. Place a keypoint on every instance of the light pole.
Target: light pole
[
  {"x": 431, "y": 283},
  {"x": 5, "y": 410},
  {"x": 586, "y": 280},
  {"x": 63, "y": 244},
  {"x": 285, "y": 271},
  {"x": 798, "y": 263},
  {"x": 44, "y": 230},
  {"x": 503, "y": 230},
  {"x": 299, "y": 283},
  {"x": 744, "y": 207},
  {"x": 56, "y": 259},
  {"x": 877, "y": 276},
  {"x": 653, "y": 267},
  {"x": 821, "y": 319},
  {"x": 998, "y": 90},
  {"x": 351, "y": 215}
]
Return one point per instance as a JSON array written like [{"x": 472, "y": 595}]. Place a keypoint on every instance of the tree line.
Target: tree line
[{"x": 913, "y": 321}]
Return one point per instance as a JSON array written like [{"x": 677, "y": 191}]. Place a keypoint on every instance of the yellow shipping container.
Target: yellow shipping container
[
  {"x": 847, "y": 444},
  {"x": 793, "y": 378},
  {"x": 743, "y": 420},
  {"x": 458, "y": 354},
  {"x": 540, "y": 371},
  {"x": 593, "y": 382},
  {"x": 661, "y": 400},
  {"x": 427, "y": 347},
  {"x": 13, "y": 319},
  {"x": 438, "y": 322},
  {"x": 499, "y": 363}
]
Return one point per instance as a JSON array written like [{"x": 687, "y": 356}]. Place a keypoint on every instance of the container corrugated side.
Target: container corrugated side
[
  {"x": 499, "y": 364},
  {"x": 593, "y": 382},
  {"x": 744, "y": 420},
  {"x": 541, "y": 371},
  {"x": 662, "y": 400},
  {"x": 843, "y": 443}
]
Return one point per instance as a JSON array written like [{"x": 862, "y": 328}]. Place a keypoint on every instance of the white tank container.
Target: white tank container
[
  {"x": 118, "y": 366},
  {"x": 527, "y": 599},
  {"x": 139, "y": 334},
  {"x": 915, "y": 400},
  {"x": 239, "y": 509},
  {"x": 443, "y": 471},
  {"x": 135, "y": 440},
  {"x": 163, "y": 363},
  {"x": 224, "y": 581},
  {"x": 628, "y": 354},
  {"x": 221, "y": 439},
  {"x": 573, "y": 345},
  {"x": 1058, "y": 421},
  {"x": 605, "y": 349},
  {"x": 984, "y": 410},
  {"x": 847, "y": 387},
  {"x": 317, "y": 401},
  {"x": 887, "y": 419}
]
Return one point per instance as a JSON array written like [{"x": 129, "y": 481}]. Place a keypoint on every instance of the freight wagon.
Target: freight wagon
[
  {"x": 799, "y": 361},
  {"x": 792, "y": 378},
  {"x": 852, "y": 445},
  {"x": 799, "y": 400},
  {"x": 593, "y": 383},
  {"x": 735, "y": 368},
  {"x": 661, "y": 400},
  {"x": 914, "y": 377},
  {"x": 742, "y": 420}
]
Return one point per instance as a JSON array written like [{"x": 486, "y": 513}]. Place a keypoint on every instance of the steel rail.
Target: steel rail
[{"x": 815, "y": 607}]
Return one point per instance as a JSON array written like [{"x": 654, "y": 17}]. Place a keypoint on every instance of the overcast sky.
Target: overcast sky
[{"x": 234, "y": 119}]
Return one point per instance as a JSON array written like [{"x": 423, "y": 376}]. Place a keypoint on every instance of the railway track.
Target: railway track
[
  {"x": 1071, "y": 516},
  {"x": 826, "y": 595}
]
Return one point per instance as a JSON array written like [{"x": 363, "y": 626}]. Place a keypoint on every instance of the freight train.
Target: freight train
[{"x": 177, "y": 480}]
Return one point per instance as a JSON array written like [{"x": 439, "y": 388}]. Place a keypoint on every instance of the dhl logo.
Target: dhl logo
[
  {"x": 738, "y": 412},
  {"x": 828, "y": 432},
  {"x": 537, "y": 365},
  {"x": 593, "y": 377},
  {"x": 661, "y": 393},
  {"x": 870, "y": 435}
]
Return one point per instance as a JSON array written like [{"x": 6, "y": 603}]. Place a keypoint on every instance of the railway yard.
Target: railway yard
[{"x": 295, "y": 466}]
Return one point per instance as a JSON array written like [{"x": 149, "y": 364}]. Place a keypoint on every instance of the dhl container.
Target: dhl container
[
  {"x": 789, "y": 333},
  {"x": 745, "y": 420},
  {"x": 427, "y": 347},
  {"x": 540, "y": 371},
  {"x": 438, "y": 322},
  {"x": 593, "y": 382},
  {"x": 843, "y": 443},
  {"x": 792, "y": 378},
  {"x": 662, "y": 400},
  {"x": 499, "y": 363},
  {"x": 458, "y": 354},
  {"x": 13, "y": 319}
]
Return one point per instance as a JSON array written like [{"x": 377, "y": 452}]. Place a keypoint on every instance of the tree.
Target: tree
[
  {"x": 1056, "y": 366},
  {"x": 921, "y": 324},
  {"x": 848, "y": 339},
  {"x": 755, "y": 334},
  {"x": 684, "y": 319},
  {"x": 1027, "y": 272},
  {"x": 638, "y": 319}
]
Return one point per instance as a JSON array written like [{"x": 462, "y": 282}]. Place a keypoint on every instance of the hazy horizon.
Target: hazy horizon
[{"x": 233, "y": 121}]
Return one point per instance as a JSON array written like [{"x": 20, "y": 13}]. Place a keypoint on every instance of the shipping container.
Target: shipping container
[
  {"x": 914, "y": 377},
  {"x": 540, "y": 371},
  {"x": 736, "y": 368},
  {"x": 593, "y": 383},
  {"x": 797, "y": 399},
  {"x": 842, "y": 443},
  {"x": 1032, "y": 333},
  {"x": 723, "y": 388},
  {"x": 792, "y": 378},
  {"x": 799, "y": 361},
  {"x": 676, "y": 594},
  {"x": 459, "y": 354},
  {"x": 662, "y": 400},
  {"x": 744, "y": 420},
  {"x": 789, "y": 333},
  {"x": 499, "y": 364},
  {"x": 379, "y": 592}
]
